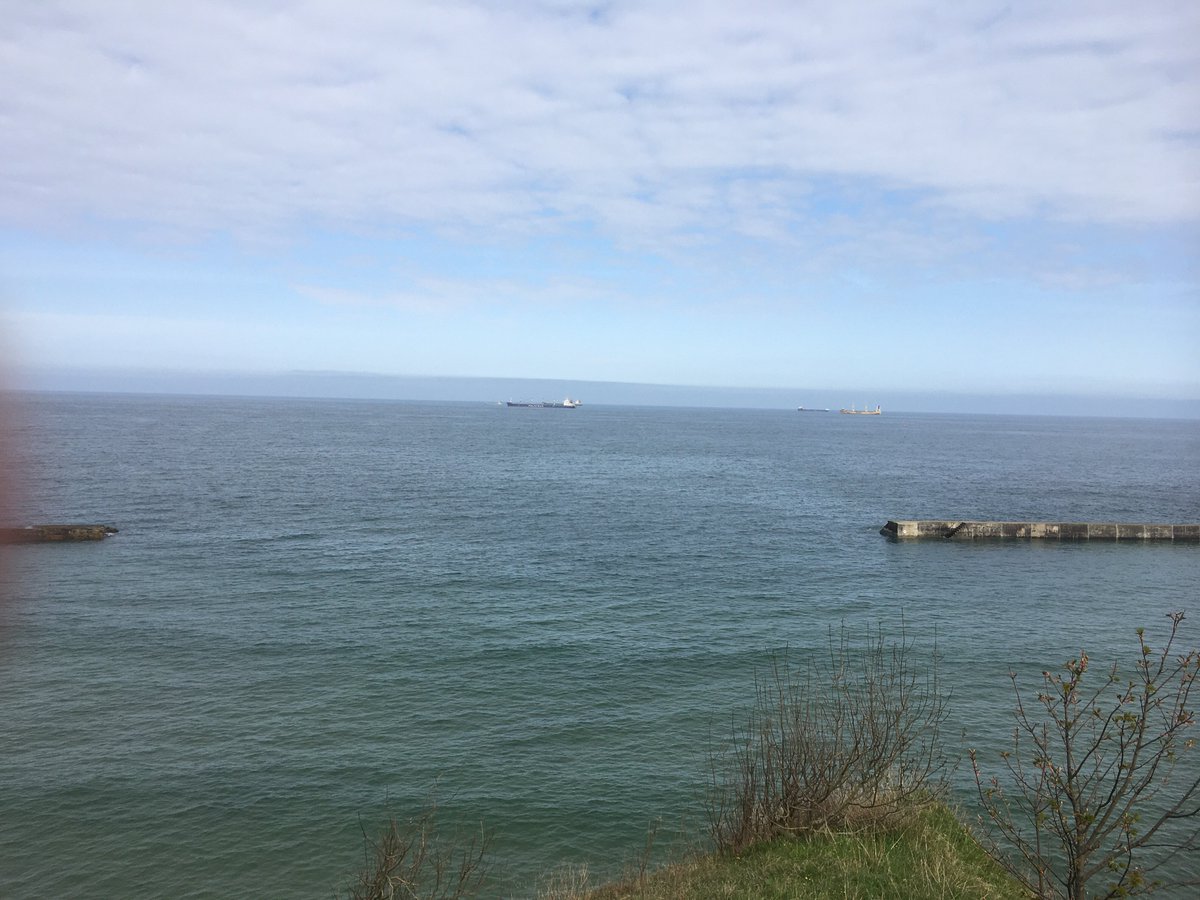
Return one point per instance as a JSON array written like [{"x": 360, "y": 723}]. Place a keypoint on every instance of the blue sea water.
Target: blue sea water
[{"x": 316, "y": 612}]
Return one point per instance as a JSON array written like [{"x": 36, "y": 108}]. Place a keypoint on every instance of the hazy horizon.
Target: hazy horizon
[{"x": 418, "y": 388}]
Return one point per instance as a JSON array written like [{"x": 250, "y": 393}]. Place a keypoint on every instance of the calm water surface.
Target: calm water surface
[{"x": 316, "y": 611}]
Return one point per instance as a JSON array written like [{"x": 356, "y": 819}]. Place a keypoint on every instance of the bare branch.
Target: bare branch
[{"x": 1097, "y": 785}]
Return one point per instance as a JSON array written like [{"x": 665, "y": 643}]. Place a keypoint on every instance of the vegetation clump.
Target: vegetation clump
[
  {"x": 412, "y": 859},
  {"x": 832, "y": 785},
  {"x": 848, "y": 739},
  {"x": 929, "y": 857},
  {"x": 1097, "y": 789}
]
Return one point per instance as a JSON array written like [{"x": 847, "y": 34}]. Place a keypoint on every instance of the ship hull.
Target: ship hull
[{"x": 547, "y": 404}]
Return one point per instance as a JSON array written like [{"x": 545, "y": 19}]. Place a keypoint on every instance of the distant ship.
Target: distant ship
[
  {"x": 567, "y": 403},
  {"x": 877, "y": 411},
  {"x": 810, "y": 409}
]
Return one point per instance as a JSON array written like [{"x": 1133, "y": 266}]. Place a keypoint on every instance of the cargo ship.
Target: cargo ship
[
  {"x": 877, "y": 411},
  {"x": 566, "y": 403}
]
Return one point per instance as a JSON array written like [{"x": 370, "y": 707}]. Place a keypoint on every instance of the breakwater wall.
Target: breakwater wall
[
  {"x": 43, "y": 534},
  {"x": 1047, "y": 531}
]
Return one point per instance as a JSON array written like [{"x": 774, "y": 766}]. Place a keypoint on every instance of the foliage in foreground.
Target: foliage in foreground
[
  {"x": 844, "y": 740},
  {"x": 930, "y": 857},
  {"x": 830, "y": 789},
  {"x": 413, "y": 860},
  {"x": 1093, "y": 784}
]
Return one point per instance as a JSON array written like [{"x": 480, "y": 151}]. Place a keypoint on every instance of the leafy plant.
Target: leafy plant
[{"x": 1093, "y": 790}]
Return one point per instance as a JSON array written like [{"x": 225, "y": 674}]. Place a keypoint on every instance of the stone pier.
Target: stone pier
[{"x": 1047, "y": 531}]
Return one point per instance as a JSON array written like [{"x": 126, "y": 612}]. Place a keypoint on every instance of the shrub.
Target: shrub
[
  {"x": 846, "y": 739},
  {"x": 1091, "y": 791},
  {"x": 413, "y": 860}
]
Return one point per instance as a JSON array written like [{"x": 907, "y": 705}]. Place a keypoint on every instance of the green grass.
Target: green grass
[{"x": 933, "y": 856}]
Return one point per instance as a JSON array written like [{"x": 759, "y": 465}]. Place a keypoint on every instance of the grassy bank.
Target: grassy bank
[
  {"x": 931, "y": 856},
  {"x": 832, "y": 786}
]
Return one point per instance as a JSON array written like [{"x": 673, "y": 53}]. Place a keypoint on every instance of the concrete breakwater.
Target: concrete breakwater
[
  {"x": 42, "y": 534},
  {"x": 1049, "y": 531}
]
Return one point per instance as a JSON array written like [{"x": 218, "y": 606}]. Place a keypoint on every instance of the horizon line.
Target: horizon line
[{"x": 348, "y": 385}]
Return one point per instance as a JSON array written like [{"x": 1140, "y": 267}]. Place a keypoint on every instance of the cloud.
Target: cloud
[
  {"x": 646, "y": 121},
  {"x": 451, "y": 295}
]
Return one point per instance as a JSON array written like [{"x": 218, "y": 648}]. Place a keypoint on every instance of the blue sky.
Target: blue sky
[{"x": 975, "y": 197}]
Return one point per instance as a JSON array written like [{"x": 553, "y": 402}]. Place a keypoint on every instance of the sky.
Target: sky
[{"x": 834, "y": 198}]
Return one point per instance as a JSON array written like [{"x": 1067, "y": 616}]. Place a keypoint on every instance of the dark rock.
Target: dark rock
[{"x": 41, "y": 534}]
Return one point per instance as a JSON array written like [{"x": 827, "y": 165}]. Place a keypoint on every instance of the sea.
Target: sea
[{"x": 541, "y": 622}]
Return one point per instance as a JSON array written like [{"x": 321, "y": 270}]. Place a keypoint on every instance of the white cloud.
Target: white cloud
[{"x": 253, "y": 117}]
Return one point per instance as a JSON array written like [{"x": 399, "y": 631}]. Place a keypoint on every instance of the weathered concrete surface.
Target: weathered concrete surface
[
  {"x": 1050, "y": 531},
  {"x": 41, "y": 534}
]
